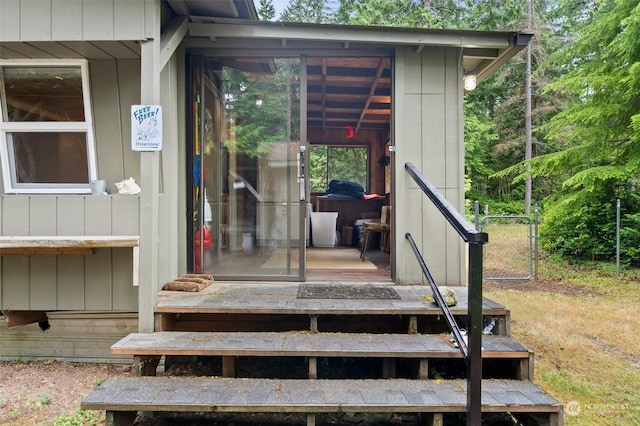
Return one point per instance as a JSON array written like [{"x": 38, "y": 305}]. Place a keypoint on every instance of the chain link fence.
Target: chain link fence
[{"x": 513, "y": 253}]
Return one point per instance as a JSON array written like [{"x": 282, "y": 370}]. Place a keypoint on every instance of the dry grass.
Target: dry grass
[{"x": 581, "y": 323}]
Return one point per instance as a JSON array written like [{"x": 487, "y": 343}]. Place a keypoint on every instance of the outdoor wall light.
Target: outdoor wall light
[{"x": 469, "y": 82}]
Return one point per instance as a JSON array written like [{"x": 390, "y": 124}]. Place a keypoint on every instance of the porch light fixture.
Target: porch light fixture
[{"x": 469, "y": 82}]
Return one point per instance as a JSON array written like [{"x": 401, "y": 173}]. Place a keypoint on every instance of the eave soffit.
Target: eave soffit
[{"x": 482, "y": 52}]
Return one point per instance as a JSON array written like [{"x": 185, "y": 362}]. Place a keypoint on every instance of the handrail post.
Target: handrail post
[
  {"x": 475, "y": 240},
  {"x": 474, "y": 335}
]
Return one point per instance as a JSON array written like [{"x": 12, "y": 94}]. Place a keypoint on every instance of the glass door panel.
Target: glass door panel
[{"x": 251, "y": 166}]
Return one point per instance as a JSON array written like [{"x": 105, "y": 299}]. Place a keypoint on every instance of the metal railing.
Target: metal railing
[{"x": 471, "y": 351}]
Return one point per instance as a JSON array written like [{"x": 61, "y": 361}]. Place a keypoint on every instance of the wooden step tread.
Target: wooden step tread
[
  {"x": 282, "y": 298},
  {"x": 308, "y": 344},
  {"x": 268, "y": 395}
]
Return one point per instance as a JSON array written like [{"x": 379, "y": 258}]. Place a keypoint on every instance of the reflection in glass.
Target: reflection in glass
[
  {"x": 43, "y": 94},
  {"x": 49, "y": 157},
  {"x": 252, "y": 163}
]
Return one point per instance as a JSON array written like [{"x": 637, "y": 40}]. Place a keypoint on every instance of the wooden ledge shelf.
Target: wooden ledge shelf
[{"x": 53, "y": 245}]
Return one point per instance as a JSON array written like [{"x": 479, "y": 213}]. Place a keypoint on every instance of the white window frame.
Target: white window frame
[{"x": 11, "y": 186}]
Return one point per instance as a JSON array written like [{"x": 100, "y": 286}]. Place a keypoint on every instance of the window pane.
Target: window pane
[
  {"x": 50, "y": 157},
  {"x": 348, "y": 163},
  {"x": 43, "y": 94},
  {"x": 337, "y": 162}
]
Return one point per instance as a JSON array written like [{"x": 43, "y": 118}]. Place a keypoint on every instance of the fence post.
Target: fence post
[
  {"x": 476, "y": 213},
  {"x": 536, "y": 235},
  {"x": 618, "y": 236}
]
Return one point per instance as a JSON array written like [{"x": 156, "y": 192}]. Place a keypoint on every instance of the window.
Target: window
[
  {"x": 46, "y": 131},
  {"x": 337, "y": 162}
]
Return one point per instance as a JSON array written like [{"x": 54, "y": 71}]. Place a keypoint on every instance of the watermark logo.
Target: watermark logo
[{"x": 572, "y": 408}]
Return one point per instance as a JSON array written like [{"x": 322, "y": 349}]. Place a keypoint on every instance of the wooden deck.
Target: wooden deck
[
  {"x": 282, "y": 298},
  {"x": 281, "y": 347},
  {"x": 234, "y": 306}
]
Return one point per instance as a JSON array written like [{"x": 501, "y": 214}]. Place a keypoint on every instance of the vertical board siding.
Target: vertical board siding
[
  {"x": 102, "y": 281},
  {"x": 70, "y": 215},
  {"x": 124, "y": 293},
  {"x": 70, "y": 289},
  {"x": 97, "y": 20},
  {"x": 125, "y": 218},
  {"x": 66, "y": 22},
  {"x": 427, "y": 91},
  {"x": 43, "y": 272},
  {"x": 15, "y": 217},
  {"x": 15, "y": 282},
  {"x": 35, "y": 20},
  {"x": 43, "y": 211},
  {"x": 454, "y": 123},
  {"x": 98, "y": 279},
  {"x": 10, "y": 20},
  {"x": 129, "y": 94},
  {"x": 115, "y": 86},
  {"x": 107, "y": 122},
  {"x": 128, "y": 20},
  {"x": 98, "y": 215},
  {"x": 434, "y": 149},
  {"x": 72, "y": 20}
]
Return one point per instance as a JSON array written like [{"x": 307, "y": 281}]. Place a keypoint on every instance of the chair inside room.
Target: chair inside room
[{"x": 382, "y": 226}]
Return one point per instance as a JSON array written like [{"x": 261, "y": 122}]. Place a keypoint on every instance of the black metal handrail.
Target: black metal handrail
[
  {"x": 472, "y": 349},
  {"x": 439, "y": 299}
]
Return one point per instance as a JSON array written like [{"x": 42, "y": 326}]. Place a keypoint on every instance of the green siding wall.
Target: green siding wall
[
  {"x": 101, "y": 281},
  {"x": 428, "y": 91}
]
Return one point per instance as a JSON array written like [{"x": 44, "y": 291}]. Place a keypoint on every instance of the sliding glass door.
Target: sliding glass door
[{"x": 247, "y": 191}]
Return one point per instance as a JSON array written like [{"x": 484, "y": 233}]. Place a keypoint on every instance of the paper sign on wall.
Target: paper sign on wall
[{"x": 146, "y": 127}]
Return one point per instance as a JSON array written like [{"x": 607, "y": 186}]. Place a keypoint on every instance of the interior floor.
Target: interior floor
[
  {"x": 341, "y": 263},
  {"x": 380, "y": 259}
]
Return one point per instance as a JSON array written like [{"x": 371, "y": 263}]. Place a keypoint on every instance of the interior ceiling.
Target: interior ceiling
[{"x": 352, "y": 92}]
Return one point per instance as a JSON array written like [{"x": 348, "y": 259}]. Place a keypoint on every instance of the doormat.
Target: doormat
[{"x": 341, "y": 291}]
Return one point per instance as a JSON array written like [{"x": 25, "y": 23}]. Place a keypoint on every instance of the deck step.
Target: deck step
[
  {"x": 281, "y": 307},
  {"x": 147, "y": 348},
  {"x": 189, "y": 394},
  {"x": 282, "y": 298},
  {"x": 308, "y": 344}
]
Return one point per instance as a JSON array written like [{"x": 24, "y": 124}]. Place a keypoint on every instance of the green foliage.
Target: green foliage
[
  {"x": 309, "y": 11},
  {"x": 583, "y": 225},
  {"x": 479, "y": 133},
  {"x": 337, "y": 162},
  {"x": 264, "y": 108},
  {"x": 266, "y": 10},
  {"x": 400, "y": 13},
  {"x": 599, "y": 130},
  {"x": 80, "y": 418}
]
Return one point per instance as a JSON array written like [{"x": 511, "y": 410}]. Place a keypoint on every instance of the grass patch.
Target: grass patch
[{"x": 584, "y": 338}]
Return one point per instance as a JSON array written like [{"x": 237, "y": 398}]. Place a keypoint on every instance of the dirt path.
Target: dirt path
[{"x": 36, "y": 393}]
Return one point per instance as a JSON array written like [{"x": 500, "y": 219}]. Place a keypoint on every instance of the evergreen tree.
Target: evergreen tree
[
  {"x": 266, "y": 10},
  {"x": 307, "y": 11},
  {"x": 599, "y": 130}
]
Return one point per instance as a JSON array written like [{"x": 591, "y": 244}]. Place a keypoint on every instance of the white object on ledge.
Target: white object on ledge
[{"x": 128, "y": 186}]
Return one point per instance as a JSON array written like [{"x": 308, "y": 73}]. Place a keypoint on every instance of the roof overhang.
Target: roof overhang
[
  {"x": 244, "y": 9},
  {"x": 482, "y": 52}
]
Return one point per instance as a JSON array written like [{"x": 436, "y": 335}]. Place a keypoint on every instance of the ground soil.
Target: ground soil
[
  {"x": 542, "y": 285},
  {"x": 39, "y": 392}
]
